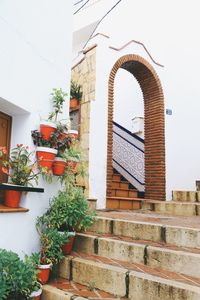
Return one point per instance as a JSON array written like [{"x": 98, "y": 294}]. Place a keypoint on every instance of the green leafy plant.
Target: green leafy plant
[
  {"x": 18, "y": 278},
  {"x": 54, "y": 141},
  {"x": 51, "y": 242},
  {"x": 75, "y": 91},
  {"x": 68, "y": 211},
  {"x": 58, "y": 97},
  {"x": 19, "y": 167}
]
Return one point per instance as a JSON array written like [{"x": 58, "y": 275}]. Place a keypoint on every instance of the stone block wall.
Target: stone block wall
[{"x": 84, "y": 73}]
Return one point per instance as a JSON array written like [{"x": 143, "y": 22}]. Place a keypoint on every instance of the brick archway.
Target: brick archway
[{"x": 153, "y": 123}]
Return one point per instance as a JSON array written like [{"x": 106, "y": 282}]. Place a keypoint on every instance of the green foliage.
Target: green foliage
[
  {"x": 19, "y": 167},
  {"x": 18, "y": 278},
  {"x": 58, "y": 97},
  {"x": 51, "y": 242},
  {"x": 75, "y": 91},
  {"x": 68, "y": 211}
]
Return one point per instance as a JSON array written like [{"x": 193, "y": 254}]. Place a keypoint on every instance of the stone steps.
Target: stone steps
[
  {"x": 172, "y": 258},
  {"x": 62, "y": 289},
  {"x": 135, "y": 281},
  {"x": 174, "y": 208},
  {"x": 137, "y": 230}
]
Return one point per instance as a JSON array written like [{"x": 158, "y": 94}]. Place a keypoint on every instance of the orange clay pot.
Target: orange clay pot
[
  {"x": 67, "y": 248},
  {"x": 47, "y": 128},
  {"x": 12, "y": 198},
  {"x": 44, "y": 273},
  {"x": 46, "y": 157},
  {"x": 73, "y": 103},
  {"x": 58, "y": 167}
]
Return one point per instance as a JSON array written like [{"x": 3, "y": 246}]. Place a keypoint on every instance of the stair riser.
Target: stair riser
[
  {"x": 116, "y": 178},
  {"x": 166, "y": 259},
  {"x": 147, "y": 231},
  {"x": 184, "y": 196},
  {"x": 144, "y": 286},
  {"x": 174, "y": 209},
  {"x": 122, "y": 185},
  {"x": 50, "y": 293},
  {"x": 123, "y": 204},
  {"x": 110, "y": 279},
  {"x": 124, "y": 193}
]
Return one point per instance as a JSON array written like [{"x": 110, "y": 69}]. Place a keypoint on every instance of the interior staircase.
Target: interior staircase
[{"x": 136, "y": 255}]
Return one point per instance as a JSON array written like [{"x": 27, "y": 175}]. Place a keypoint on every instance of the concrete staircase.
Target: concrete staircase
[{"x": 134, "y": 254}]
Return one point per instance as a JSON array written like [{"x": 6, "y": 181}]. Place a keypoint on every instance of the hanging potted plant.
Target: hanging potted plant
[
  {"x": 73, "y": 155},
  {"x": 49, "y": 126},
  {"x": 75, "y": 94},
  {"x": 20, "y": 170},
  {"x": 59, "y": 164}
]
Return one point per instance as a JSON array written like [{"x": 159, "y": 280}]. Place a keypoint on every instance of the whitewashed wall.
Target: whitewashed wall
[
  {"x": 35, "y": 56},
  {"x": 170, "y": 32}
]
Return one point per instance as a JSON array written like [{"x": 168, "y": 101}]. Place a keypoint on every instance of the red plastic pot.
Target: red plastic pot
[
  {"x": 58, "y": 167},
  {"x": 67, "y": 248},
  {"x": 44, "y": 273},
  {"x": 46, "y": 157},
  {"x": 12, "y": 198},
  {"x": 73, "y": 103},
  {"x": 47, "y": 128}
]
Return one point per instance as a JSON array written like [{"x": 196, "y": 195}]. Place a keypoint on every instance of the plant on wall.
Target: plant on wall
[
  {"x": 75, "y": 94},
  {"x": 58, "y": 97}
]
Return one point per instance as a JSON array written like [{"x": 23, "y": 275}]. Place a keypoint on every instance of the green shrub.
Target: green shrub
[
  {"x": 17, "y": 277},
  {"x": 68, "y": 211}
]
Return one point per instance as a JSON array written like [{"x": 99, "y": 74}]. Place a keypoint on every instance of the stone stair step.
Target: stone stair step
[
  {"x": 63, "y": 289},
  {"x": 167, "y": 257},
  {"x": 123, "y": 203},
  {"x": 131, "y": 279},
  {"x": 184, "y": 196},
  {"x": 149, "y": 230},
  {"x": 175, "y": 208}
]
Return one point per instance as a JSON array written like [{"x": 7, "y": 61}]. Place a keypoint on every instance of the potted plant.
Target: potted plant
[
  {"x": 49, "y": 126},
  {"x": 18, "y": 278},
  {"x": 20, "y": 169},
  {"x": 68, "y": 212},
  {"x": 73, "y": 155},
  {"x": 47, "y": 149},
  {"x": 59, "y": 164},
  {"x": 75, "y": 94},
  {"x": 50, "y": 253}
]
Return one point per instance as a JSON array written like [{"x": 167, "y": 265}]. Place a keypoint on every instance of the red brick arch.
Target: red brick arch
[{"x": 153, "y": 123}]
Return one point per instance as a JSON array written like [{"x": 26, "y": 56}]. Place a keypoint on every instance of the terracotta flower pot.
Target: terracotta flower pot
[
  {"x": 73, "y": 134},
  {"x": 44, "y": 273},
  {"x": 59, "y": 165},
  {"x": 46, "y": 157},
  {"x": 63, "y": 135},
  {"x": 12, "y": 198},
  {"x": 72, "y": 164},
  {"x": 36, "y": 294},
  {"x": 67, "y": 247},
  {"x": 47, "y": 128},
  {"x": 73, "y": 103}
]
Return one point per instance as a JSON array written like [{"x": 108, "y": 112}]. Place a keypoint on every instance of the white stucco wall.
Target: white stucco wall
[
  {"x": 170, "y": 32},
  {"x": 35, "y": 56}
]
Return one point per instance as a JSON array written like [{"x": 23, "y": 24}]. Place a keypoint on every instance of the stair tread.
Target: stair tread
[
  {"x": 192, "y": 222},
  {"x": 73, "y": 290},
  {"x": 125, "y": 198},
  {"x": 139, "y": 268},
  {"x": 124, "y": 189},
  {"x": 163, "y": 246}
]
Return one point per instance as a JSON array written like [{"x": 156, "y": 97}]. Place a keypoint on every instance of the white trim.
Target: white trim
[
  {"x": 73, "y": 131},
  {"x": 46, "y": 149},
  {"x": 60, "y": 159},
  {"x": 48, "y": 123},
  {"x": 43, "y": 267}
]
